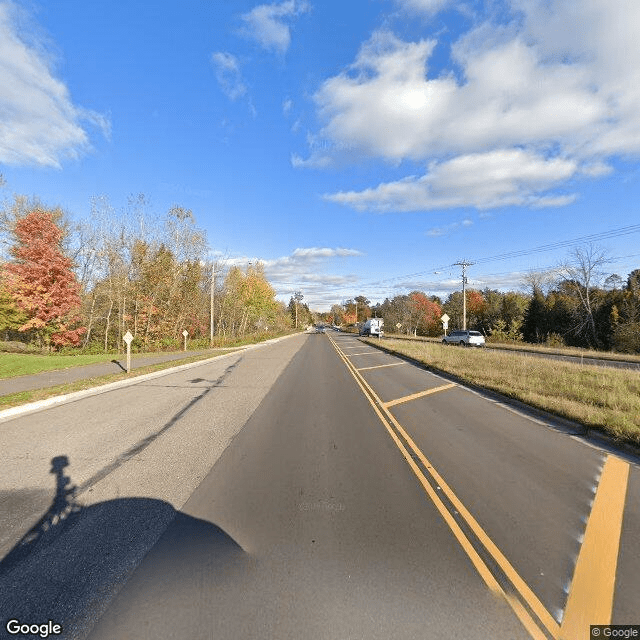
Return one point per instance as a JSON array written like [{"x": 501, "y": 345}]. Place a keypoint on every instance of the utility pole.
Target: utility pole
[
  {"x": 464, "y": 264},
  {"x": 213, "y": 288}
]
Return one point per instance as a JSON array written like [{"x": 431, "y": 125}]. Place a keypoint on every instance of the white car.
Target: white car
[{"x": 464, "y": 338}]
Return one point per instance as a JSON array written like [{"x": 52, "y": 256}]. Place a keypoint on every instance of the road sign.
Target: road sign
[
  {"x": 127, "y": 337},
  {"x": 185, "y": 333},
  {"x": 445, "y": 322}
]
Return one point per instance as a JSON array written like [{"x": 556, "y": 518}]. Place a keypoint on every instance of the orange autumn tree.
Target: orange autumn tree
[
  {"x": 41, "y": 282},
  {"x": 426, "y": 314}
]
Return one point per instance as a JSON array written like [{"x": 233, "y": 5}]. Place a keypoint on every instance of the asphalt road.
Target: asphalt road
[{"x": 362, "y": 497}]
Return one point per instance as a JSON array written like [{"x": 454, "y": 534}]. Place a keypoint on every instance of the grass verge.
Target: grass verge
[
  {"x": 600, "y": 398},
  {"x": 23, "y": 397},
  {"x": 22, "y": 364},
  {"x": 537, "y": 348}
]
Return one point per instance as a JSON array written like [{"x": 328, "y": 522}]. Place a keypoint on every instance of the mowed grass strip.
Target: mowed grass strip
[
  {"x": 602, "y": 398},
  {"x": 23, "y": 364},
  {"x": 539, "y": 348},
  {"x": 23, "y": 397}
]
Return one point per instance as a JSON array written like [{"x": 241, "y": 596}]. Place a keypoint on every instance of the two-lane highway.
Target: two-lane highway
[
  {"x": 367, "y": 498},
  {"x": 327, "y": 534},
  {"x": 543, "y": 511}
]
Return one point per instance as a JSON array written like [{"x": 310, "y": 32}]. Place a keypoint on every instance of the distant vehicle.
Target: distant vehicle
[
  {"x": 464, "y": 338},
  {"x": 372, "y": 327}
]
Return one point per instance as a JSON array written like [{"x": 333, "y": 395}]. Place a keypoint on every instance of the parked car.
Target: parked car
[{"x": 465, "y": 338}]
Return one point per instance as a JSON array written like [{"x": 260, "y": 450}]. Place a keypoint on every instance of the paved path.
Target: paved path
[{"x": 72, "y": 374}]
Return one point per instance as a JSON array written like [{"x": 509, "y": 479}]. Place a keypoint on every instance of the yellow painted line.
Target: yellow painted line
[
  {"x": 380, "y": 366},
  {"x": 590, "y": 600},
  {"x": 471, "y": 552},
  {"x": 523, "y": 589},
  {"x": 420, "y": 394},
  {"x": 521, "y": 586}
]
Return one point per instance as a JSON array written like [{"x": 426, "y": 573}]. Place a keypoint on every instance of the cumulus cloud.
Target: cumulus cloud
[
  {"x": 558, "y": 89},
  {"x": 268, "y": 24},
  {"x": 39, "y": 123},
  {"x": 228, "y": 74},
  {"x": 484, "y": 180},
  {"x": 305, "y": 269}
]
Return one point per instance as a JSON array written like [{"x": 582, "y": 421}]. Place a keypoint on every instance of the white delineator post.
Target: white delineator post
[{"x": 128, "y": 338}]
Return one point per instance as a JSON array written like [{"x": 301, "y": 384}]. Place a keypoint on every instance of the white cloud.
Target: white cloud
[
  {"x": 436, "y": 232},
  {"x": 228, "y": 74},
  {"x": 39, "y": 124},
  {"x": 509, "y": 281},
  {"x": 304, "y": 269},
  {"x": 318, "y": 161},
  {"x": 495, "y": 179},
  {"x": 315, "y": 253},
  {"x": 556, "y": 84},
  {"x": 267, "y": 24},
  {"x": 424, "y": 6}
]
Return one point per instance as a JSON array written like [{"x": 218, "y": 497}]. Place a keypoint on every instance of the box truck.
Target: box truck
[{"x": 372, "y": 327}]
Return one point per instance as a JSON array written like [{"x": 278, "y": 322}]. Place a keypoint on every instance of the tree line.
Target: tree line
[
  {"x": 578, "y": 304},
  {"x": 87, "y": 283}
]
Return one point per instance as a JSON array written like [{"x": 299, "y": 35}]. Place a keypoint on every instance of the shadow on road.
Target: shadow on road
[
  {"x": 123, "y": 368},
  {"x": 73, "y": 561}
]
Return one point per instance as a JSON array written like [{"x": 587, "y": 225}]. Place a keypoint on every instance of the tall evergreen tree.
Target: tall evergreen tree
[{"x": 534, "y": 328}]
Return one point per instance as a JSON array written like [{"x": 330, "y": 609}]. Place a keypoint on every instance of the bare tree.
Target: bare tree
[
  {"x": 541, "y": 280},
  {"x": 582, "y": 273}
]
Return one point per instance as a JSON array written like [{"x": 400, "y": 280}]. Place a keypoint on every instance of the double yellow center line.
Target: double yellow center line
[{"x": 591, "y": 597}]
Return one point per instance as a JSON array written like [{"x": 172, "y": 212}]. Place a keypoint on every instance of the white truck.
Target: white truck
[{"x": 372, "y": 327}]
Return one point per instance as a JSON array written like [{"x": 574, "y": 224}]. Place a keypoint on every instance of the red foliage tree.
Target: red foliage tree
[
  {"x": 427, "y": 313},
  {"x": 475, "y": 302},
  {"x": 42, "y": 283}
]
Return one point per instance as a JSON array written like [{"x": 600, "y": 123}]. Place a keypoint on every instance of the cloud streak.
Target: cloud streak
[
  {"x": 228, "y": 74},
  {"x": 39, "y": 123}
]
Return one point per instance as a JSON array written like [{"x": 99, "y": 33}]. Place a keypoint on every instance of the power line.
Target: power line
[
  {"x": 380, "y": 283},
  {"x": 594, "y": 237}
]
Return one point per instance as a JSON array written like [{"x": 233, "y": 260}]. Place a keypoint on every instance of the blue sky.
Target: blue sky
[{"x": 358, "y": 147}]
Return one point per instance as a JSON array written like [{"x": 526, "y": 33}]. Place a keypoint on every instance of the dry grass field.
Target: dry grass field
[{"x": 602, "y": 398}]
